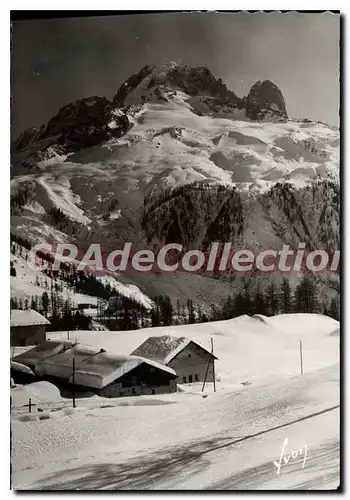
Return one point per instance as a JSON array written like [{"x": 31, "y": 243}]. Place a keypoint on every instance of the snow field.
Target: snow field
[
  {"x": 189, "y": 444},
  {"x": 253, "y": 349}
]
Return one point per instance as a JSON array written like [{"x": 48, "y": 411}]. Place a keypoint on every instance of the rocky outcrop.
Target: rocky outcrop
[
  {"x": 200, "y": 81},
  {"x": 24, "y": 139},
  {"x": 130, "y": 84},
  {"x": 81, "y": 124},
  {"x": 265, "y": 102},
  {"x": 152, "y": 81},
  {"x": 85, "y": 123}
]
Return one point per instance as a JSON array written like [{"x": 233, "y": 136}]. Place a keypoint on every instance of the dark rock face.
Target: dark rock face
[
  {"x": 24, "y": 139},
  {"x": 265, "y": 102},
  {"x": 80, "y": 124},
  {"x": 130, "y": 84},
  {"x": 193, "y": 81},
  {"x": 85, "y": 123}
]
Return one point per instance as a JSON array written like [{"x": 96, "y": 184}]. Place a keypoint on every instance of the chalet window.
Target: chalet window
[
  {"x": 189, "y": 355},
  {"x": 196, "y": 377},
  {"x": 184, "y": 380},
  {"x": 190, "y": 379}
]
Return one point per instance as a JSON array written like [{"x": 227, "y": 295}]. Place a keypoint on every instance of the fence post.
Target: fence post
[
  {"x": 73, "y": 380},
  {"x": 212, "y": 353},
  {"x": 30, "y": 405}
]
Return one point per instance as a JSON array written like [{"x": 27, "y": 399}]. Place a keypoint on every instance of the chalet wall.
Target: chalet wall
[
  {"x": 116, "y": 390},
  {"x": 27, "y": 335},
  {"x": 143, "y": 380},
  {"x": 192, "y": 362}
]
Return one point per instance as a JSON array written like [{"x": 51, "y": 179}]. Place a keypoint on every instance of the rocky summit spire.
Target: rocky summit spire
[
  {"x": 152, "y": 81},
  {"x": 265, "y": 101}
]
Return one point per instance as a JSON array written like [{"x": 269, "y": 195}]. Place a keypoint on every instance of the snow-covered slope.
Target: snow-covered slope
[
  {"x": 29, "y": 283},
  {"x": 226, "y": 440},
  {"x": 252, "y": 349},
  {"x": 229, "y": 440},
  {"x": 39, "y": 392}
]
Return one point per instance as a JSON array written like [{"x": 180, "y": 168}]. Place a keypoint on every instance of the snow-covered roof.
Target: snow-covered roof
[
  {"x": 36, "y": 354},
  {"x": 163, "y": 349},
  {"x": 93, "y": 367},
  {"x": 160, "y": 348},
  {"x": 28, "y": 317},
  {"x": 19, "y": 367}
]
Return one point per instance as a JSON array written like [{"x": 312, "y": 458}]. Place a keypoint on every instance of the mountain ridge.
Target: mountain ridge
[
  {"x": 182, "y": 143},
  {"x": 193, "y": 80}
]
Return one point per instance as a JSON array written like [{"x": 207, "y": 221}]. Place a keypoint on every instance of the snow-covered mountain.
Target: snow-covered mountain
[{"x": 174, "y": 142}]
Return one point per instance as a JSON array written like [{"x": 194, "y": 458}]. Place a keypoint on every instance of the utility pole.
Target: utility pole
[
  {"x": 301, "y": 357},
  {"x": 212, "y": 357},
  {"x": 73, "y": 382},
  {"x": 206, "y": 373}
]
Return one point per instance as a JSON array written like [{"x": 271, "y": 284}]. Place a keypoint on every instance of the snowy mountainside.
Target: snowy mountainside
[
  {"x": 175, "y": 141},
  {"x": 27, "y": 283}
]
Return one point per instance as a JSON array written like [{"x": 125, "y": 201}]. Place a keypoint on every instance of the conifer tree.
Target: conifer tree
[
  {"x": 272, "y": 299},
  {"x": 305, "y": 297},
  {"x": 334, "y": 309},
  {"x": 285, "y": 297}
]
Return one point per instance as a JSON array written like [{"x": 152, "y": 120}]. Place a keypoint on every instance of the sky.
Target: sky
[{"x": 56, "y": 61}]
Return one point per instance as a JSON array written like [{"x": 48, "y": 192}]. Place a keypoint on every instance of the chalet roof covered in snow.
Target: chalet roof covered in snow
[
  {"x": 19, "y": 367},
  {"x": 34, "y": 355},
  {"x": 29, "y": 317},
  {"x": 163, "y": 349},
  {"x": 93, "y": 367}
]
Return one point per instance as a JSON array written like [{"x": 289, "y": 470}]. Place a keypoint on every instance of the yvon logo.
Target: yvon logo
[{"x": 285, "y": 458}]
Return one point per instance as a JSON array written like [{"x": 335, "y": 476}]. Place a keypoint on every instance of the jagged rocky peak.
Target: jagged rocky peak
[
  {"x": 153, "y": 83},
  {"x": 24, "y": 139},
  {"x": 131, "y": 84},
  {"x": 200, "y": 80},
  {"x": 90, "y": 111},
  {"x": 82, "y": 123},
  {"x": 265, "y": 101}
]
